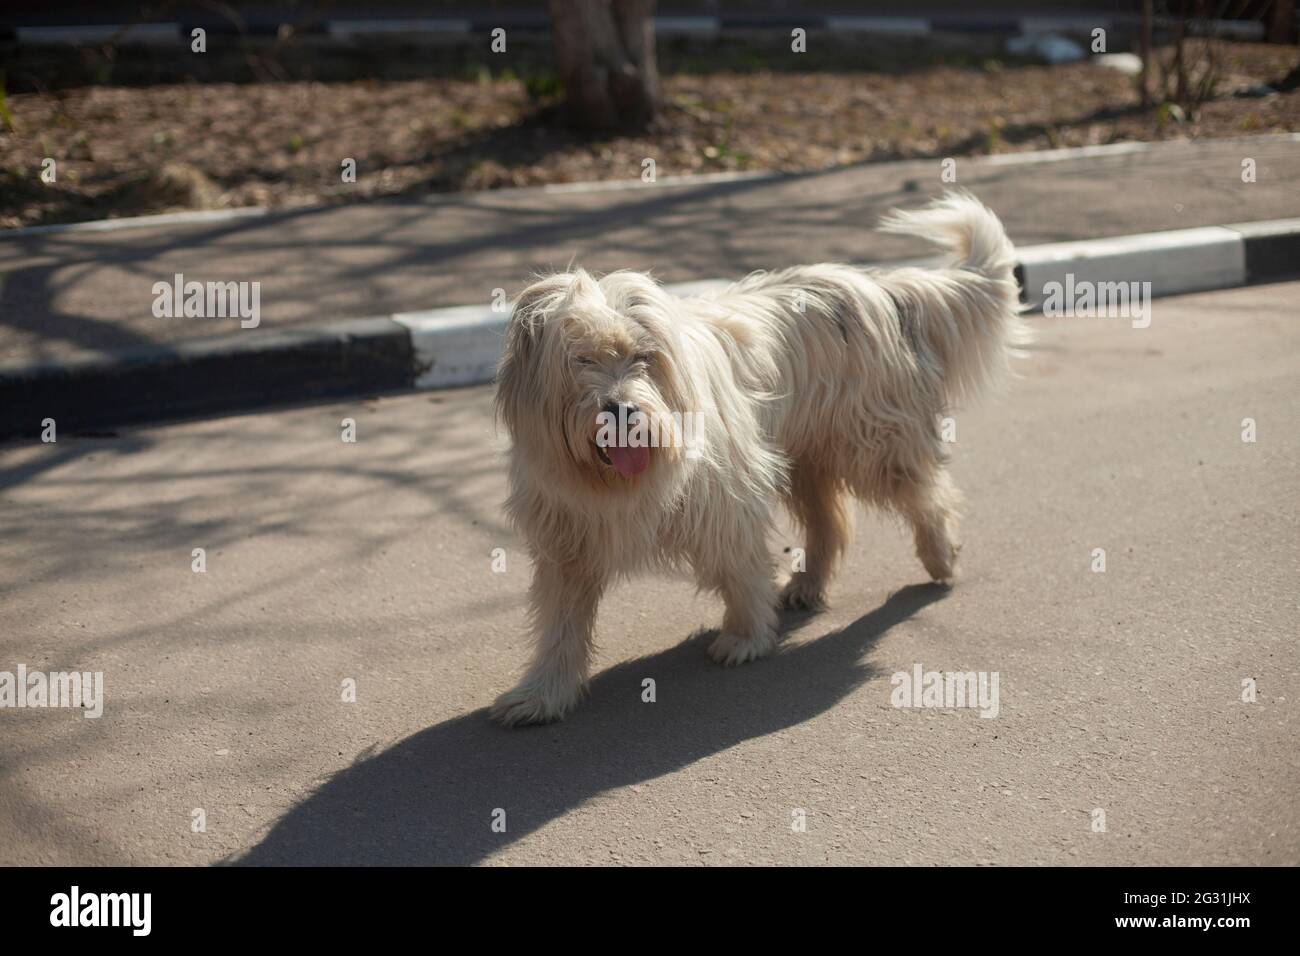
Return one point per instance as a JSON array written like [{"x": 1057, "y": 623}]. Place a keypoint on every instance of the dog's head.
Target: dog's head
[{"x": 590, "y": 384}]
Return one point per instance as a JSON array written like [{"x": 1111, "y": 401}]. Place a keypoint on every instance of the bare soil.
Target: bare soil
[{"x": 138, "y": 149}]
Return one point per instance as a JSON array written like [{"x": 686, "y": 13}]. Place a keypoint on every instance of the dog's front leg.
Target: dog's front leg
[
  {"x": 743, "y": 575},
  {"x": 562, "y": 607}
]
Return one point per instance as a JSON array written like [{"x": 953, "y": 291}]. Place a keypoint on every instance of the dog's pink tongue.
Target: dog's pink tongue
[{"x": 630, "y": 462}]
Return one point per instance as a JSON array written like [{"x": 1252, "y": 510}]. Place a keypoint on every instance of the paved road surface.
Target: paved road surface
[
  {"x": 82, "y": 292},
  {"x": 1119, "y": 691}
]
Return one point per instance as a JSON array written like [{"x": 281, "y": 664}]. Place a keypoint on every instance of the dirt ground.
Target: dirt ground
[{"x": 126, "y": 148}]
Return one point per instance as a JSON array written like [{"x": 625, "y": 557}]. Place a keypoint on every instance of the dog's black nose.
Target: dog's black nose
[{"x": 622, "y": 411}]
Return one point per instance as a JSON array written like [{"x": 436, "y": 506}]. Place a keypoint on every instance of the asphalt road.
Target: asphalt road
[
  {"x": 1119, "y": 691},
  {"x": 81, "y": 293}
]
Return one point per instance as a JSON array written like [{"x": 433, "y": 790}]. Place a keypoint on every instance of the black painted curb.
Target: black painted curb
[
  {"x": 231, "y": 373},
  {"x": 1272, "y": 249}
]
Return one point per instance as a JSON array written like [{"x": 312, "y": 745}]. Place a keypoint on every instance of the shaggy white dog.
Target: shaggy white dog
[{"x": 655, "y": 431}]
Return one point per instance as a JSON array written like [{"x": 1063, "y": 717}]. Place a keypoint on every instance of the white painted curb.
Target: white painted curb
[
  {"x": 461, "y": 345},
  {"x": 456, "y": 346},
  {"x": 1186, "y": 260}
]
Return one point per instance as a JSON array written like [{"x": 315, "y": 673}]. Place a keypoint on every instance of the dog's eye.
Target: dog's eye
[
  {"x": 643, "y": 357},
  {"x": 583, "y": 360}
]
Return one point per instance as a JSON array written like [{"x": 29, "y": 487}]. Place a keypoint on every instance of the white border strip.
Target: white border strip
[
  {"x": 95, "y": 33},
  {"x": 699, "y": 26},
  {"x": 351, "y": 28},
  {"x": 1117, "y": 149},
  {"x": 1063, "y": 155},
  {"x": 193, "y": 217},
  {"x": 616, "y": 185},
  {"x": 1032, "y": 26},
  {"x": 904, "y": 26}
]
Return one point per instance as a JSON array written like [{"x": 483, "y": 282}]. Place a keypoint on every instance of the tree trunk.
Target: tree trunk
[
  {"x": 605, "y": 60},
  {"x": 1144, "y": 79},
  {"x": 1280, "y": 22}
]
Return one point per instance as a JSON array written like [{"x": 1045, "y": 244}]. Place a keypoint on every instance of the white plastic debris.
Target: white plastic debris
[
  {"x": 1129, "y": 64},
  {"x": 1047, "y": 46}
]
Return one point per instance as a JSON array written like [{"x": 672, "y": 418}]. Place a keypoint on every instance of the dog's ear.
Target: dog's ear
[{"x": 517, "y": 373}]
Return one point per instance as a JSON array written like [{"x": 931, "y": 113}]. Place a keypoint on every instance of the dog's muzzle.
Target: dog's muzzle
[{"x": 627, "y": 457}]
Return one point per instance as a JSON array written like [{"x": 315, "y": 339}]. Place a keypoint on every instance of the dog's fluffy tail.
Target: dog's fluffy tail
[
  {"x": 970, "y": 323},
  {"x": 960, "y": 222}
]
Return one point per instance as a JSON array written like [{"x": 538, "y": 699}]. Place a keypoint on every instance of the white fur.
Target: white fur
[{"x": 808, "y": 408}]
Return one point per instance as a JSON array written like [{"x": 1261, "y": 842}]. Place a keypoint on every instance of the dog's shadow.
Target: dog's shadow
[{"x": 431, "y": 798}]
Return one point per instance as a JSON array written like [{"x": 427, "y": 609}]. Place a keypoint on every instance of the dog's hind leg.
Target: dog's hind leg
[
  {"x": 563, "y": 599},
  {"x": 816, "y": 500},
  {"x": 930, "y": 503}
]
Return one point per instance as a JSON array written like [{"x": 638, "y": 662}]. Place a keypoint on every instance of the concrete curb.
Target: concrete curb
[
  {"x": 458, "y": 346},
  {"x": 168, "y": 33},
  {"x": 1174, "y": 262},
  {"x": 224, "y": 374}
]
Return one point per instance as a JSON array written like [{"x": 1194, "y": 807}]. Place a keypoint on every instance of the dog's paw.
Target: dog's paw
[
  {"x": 730, "y": 649},
  {"x": 941, "y": 562},
  {"x": 801, "y": 594},
  {"x": 532, "y": 704}
]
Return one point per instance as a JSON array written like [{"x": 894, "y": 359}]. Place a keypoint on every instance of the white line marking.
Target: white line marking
[
  {"x": 140, "y": 222},
  {"x": 98, "y": 33},
  {"x": 899, "y": 25},
  {"x": 614, "y": 185},
  {"x": 687, "y": 24},
  {"x": 1066, "y": 24},
  {"x": 1118, "y": 149},
  {"x": 1061, "y": 155}
]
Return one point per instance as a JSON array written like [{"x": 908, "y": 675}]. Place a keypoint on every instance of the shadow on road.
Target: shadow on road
[{"x": 430, "y": 798}]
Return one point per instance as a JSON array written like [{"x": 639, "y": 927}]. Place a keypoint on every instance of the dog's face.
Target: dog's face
[{"x": 589, "y": 385}]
